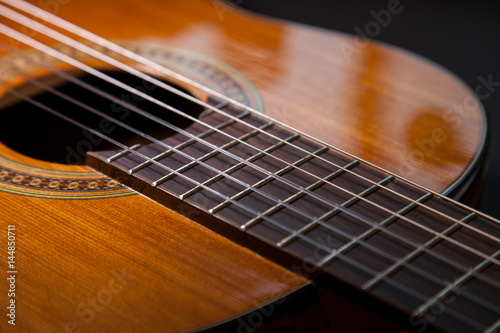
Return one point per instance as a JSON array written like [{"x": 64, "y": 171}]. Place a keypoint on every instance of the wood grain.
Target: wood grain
[{"x": 382, "y": 104}]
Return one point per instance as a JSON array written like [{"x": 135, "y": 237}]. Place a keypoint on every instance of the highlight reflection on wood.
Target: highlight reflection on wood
[{"x": 126, "y": 263}]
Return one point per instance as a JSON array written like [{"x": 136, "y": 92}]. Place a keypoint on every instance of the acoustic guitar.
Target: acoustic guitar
[{"x": 171, "y": 166}]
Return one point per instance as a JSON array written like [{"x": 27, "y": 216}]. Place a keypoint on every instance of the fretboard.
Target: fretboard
[{"x": 320, "y": 212}]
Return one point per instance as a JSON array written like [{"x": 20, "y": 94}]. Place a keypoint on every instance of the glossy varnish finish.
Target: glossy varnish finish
[
  {"x": 386, "y": 106},
  {"x": 422, "y": 117},
  {"x": 326, "y": 213}
]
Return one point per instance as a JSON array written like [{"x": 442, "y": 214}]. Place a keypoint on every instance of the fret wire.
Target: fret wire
[
  {"x": 370, "y": 232},
  {"x": 415, "y": 269},
  {"x": 364, "y": 221},
  {"x": 44, "y": 48},
  {"x": 332, "y": 212},
  {"x": 375, "y": 228},
  {"x": 138, "y": 154},
  {"x": 51, "y": 33},
  {"x": 484, "y": 303},
  {"x": 493, "y": 328},
  {"x": 152, "y": 140},
  {"x": 266, "y": 180},
  {"x": 301, "y": 237},
  {"x": 359, "y": 240},
  {"x": 122, "y": 153},
  {"x": 163, "y": 166},
  {"x": 211, "y": 154},
  {"x": 414, "y": 293},
  {"x": 300, "y": 194},
  {"x": 188, "y": 142},
  {"x": 414, "y": 254},
  {"x": 280, "y": 205},
  {"x": 461, "y": 280},
  {"x": 237, "y": 167}
]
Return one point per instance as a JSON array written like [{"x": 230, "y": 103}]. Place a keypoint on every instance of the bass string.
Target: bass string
[
  {"x": 132, "y": 71},
  {"x": 342, "y": 257},
  {"x": 68, "y": 26},
  {"x": 89, "y": 87},
  {"x": 128, "y": 105},
  {"x": 309, "y": 152},
  {"x": 341, "y": 208}
]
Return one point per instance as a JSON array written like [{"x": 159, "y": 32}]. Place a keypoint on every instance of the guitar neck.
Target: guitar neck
[{"x": 321, "y": 212}]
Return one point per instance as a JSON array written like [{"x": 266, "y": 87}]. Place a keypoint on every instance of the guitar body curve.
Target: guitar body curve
[{"x": 93, "y": 254}]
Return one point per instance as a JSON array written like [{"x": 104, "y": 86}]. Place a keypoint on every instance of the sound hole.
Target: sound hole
[{"x": 34, "y": 132}]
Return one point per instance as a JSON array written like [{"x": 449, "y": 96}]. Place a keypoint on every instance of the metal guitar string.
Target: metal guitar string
[
  {"x": 416, "y": 202},
  {"x": 360, "y": 266},
  {"x": 13, "y": 15},
  {"x": 51, "y": 18},
  {"x": 63, "y": 57},
  {"x": 112, "y": 98},
  {"x": 89, "y": 87}
]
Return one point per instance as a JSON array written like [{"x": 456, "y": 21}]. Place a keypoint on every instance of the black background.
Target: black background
[{"x": 463, "y": 36}]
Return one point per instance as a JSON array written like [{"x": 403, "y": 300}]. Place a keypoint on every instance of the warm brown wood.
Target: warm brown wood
[
  {"x": 324, "y": 229},
  {"x": 397, "y": 107},
  {"x": 382, "y": 104}
]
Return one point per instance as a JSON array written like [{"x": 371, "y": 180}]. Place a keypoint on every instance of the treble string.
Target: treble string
[
  {"x": 438, "y": 235},
  {"x": 68, "y": 26},
  {"x": 49, "y": 32},
  {"x": 342, "y": 257},
  {"x": 177, "y": 173},
  {"x": 92, "y": 52},
  {"x": 78, "y": 64}
]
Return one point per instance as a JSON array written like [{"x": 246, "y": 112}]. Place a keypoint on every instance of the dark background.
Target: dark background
[{"x": 463, "y": 36}]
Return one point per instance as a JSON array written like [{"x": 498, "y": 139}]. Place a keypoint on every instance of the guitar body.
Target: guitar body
[{"x": 93, "y": 255}]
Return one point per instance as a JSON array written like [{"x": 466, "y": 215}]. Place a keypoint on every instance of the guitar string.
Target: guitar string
[
  {"x": 13, "y": 15},
  {"x": 360, "y": 266},
  {"x": 94, "y": 89},
  {"x": 51, "y": 18},
  {"x": 485, "y": 256},
  {"x": 310, "y": 217},
  {"x": 91, "y": 88},
  {"x": 436, "y": 233}
]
